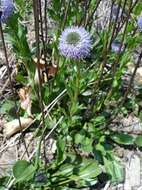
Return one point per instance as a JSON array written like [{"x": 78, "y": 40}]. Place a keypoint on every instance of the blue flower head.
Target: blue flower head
[
  {"x": 115, "y": 10},
  {"x": 139, "y": 22},
  {"x": 115, "y": 47},
  {"x": 7, "y": 8},
  {"x": 75, "y": 43}
]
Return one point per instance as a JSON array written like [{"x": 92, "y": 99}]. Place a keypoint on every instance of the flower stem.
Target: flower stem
[
  {"x": 76, "y": 89},
  {"x": 77, "y": 82}
]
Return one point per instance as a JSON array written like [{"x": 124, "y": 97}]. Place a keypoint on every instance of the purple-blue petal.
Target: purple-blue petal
[
  {"x": 7, "y": 10},
  {"x": 81, "y": 49},
  {"x": 115, "y": 47},
  {"x": 139, "y": 22}
]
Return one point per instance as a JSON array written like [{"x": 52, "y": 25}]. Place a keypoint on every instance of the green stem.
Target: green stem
[
  {"x": 76, "y": 90},
  {"x": 38, "y": 149}
]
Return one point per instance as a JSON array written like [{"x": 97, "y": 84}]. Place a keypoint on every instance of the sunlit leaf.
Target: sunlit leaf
[
  {"x": 23, "y": 171},
  {"x": 138, "y": 141},
  {"x": 122, "y": 138},
  {"x": 114, "y": 169}
]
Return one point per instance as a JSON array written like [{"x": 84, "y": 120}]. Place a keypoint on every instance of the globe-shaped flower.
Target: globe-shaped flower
[
  {"x": 7, "y": 8},
  {"x": 75, "y": 43},
  {"x": 115, "y": 47},
  {"x": 116, "y": 10},
  {"x": 139, "y": 22}
]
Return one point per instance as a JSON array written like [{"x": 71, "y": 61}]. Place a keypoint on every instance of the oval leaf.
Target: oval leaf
[
  {"x": 122, "y": 138},
  {"x": 23, "y": 171},
  {"x": 19, "y": 167},
  {"x": 138, "y": 141}
]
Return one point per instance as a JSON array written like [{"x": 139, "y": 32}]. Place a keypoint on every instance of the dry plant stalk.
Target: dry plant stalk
[
  {"x": 51, "y": 71},
  {"x": 14, "y": 126},
  {"x": 25, "y": 99}
]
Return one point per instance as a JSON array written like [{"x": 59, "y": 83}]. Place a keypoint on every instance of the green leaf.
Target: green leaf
[
  {"x": 122, "y": 138},
  {"x": 99, "y": 120},
  {"x": 23, "y": 171},
  {"x": 3, "y": 182},
  {"x": 101, "y": 148},
  {"x": 114, "y": 169},
  {"x": 19, "y": 167},
  {"x": 7, "y": 106},
  {"x": 138, "y": 141},
  {"x": 2, "y": 188},
  {"x": 84, "y": 142},
  {"x": 86, "y": 145},
  {"x": 79, "y": 137},
  {"x": 89, "y": 169},
  {"x": 60, "y": 149},
  {"x": 81, "y": 171},
  {"x": 138, "y": 8},
  {"x": 20, "y": 78}
]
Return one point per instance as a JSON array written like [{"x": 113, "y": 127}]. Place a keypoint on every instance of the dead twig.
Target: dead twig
[{"x": 7, "y": 82}]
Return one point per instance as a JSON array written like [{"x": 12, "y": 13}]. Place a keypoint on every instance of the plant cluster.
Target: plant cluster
[{"x": 72, "y": 88}]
